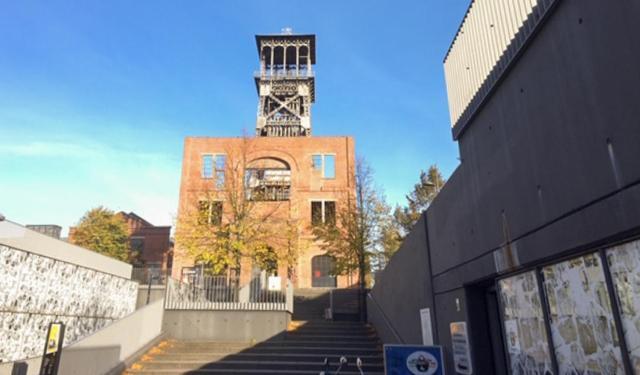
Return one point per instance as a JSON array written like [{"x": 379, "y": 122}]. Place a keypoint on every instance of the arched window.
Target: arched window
[
  {"x": 268, "y": 179},
  {"x": 322, "y": 269}
]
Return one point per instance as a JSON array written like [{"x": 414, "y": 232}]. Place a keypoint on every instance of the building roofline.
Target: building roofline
[
  {"x": 270, "y": 138},
  {"x": 289, "y": 36},
  {"x": 135, "y": 216},
  {"x": 455, "y": 37}
]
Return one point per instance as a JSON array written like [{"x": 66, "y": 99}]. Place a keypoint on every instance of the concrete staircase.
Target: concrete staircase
[
  {"x": 300, "y": 350},
  {"x": 309, "y": 304}
]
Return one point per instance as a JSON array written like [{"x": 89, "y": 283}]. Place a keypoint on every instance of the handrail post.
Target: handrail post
[{"x": 330, "y": 304}]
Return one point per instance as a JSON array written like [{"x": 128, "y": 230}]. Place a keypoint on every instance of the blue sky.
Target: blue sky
[{"x": 96, "y": 97}]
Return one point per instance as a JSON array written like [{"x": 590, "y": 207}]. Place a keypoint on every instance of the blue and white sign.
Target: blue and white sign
[{"x": 413, "y": 360}]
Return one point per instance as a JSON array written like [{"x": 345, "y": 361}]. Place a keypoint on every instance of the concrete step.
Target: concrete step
[
  {"x": 237, "y": 372},
  {"x": 256, "y": 356},
  {"x": 332, "y": 350},
  {"x": 318, "y": 365},
  {"x": 282, "y": 344},
  {"x": 301, "y": 350},
  {"x": 326, "y": 323},
  {"x": 333, "y": 332},
  {"x": 338, "y": 339}
]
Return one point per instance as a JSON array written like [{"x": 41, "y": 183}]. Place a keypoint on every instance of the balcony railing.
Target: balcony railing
[
  {"x": 283, "y": 130},
  {"x": 284, "y": 74}
]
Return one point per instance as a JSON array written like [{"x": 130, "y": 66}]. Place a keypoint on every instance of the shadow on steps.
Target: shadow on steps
[{"x": 302, "y": 349}]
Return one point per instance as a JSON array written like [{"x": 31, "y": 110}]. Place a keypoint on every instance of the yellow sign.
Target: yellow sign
[{"x": 53, "y": 341}]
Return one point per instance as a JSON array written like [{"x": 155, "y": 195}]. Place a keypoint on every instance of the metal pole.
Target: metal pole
[
  {"x": 331, "y": 303},
  {"x": 149, "y": 287}
]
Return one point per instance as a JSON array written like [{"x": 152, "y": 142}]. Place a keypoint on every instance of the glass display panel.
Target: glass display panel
[
  {"x": 582, "y": 324},
  {"x": 524, "y": 326},
  {"x": 624, "y": 264}
]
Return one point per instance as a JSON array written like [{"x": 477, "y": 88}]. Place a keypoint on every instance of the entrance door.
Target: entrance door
[
  {"x": 486, "y": 339},
  {"x": 321, "y": 268}
]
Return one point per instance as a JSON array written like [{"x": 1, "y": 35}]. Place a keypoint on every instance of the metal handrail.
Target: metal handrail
[{"x": 386, "y": 319}]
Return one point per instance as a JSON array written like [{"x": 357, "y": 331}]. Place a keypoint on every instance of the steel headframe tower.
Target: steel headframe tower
[{"x": 285, "y": 84}]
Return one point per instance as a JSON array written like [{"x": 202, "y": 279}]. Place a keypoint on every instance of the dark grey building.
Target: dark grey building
[
  {"x": 531, "y": 251},
  {"x": 50, "y": 230}
]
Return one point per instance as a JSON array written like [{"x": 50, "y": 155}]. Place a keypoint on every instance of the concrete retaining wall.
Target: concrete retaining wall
[
  {"x": 109, "y": 350},
  {"x": 402, "y": 290},
  {"x": 229, "y": 326},
  {"x": 156, "y": 293},
  {"x": 41, "y": 283},
  {"x": 19, "y": 237}
]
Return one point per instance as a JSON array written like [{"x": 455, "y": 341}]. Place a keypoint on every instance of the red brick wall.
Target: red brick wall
[{"x": 306, "y": 183}]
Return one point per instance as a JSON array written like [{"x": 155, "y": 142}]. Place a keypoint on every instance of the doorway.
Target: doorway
[
  {"x": 486, "y": 330},
  {"x": 322, "y": 267}
]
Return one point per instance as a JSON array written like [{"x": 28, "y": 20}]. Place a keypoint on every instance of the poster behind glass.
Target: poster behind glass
[
  {"x": 582, "y": 324},
  {"x": 524, "y": 325},
  {"x": 624, "y": 263}
]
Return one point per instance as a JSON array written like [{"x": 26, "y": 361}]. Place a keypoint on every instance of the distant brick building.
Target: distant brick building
[
  {"x": 152, "y": 243},
  {"x": 151, "y": 246},
  {"x": 287, "y": 170}
]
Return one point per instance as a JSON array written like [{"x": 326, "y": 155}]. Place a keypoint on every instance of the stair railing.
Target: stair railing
[{"x": 386, "y": 320}]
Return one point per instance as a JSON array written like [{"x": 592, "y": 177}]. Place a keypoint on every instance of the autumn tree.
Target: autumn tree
[
  {"x": 353, "y": 238},
  {"x": 103, "y": 231},
  {"x": 423, "y": 193},
  {"x": 231, "y": 222},
  {"x": 390, "y": 238}
]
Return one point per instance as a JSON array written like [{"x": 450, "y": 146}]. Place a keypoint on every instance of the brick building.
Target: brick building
[
  {"x": 151, "y": 244},
  {"x": 285, "y": 171}
]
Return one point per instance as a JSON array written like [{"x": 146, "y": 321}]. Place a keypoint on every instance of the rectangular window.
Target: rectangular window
[
  {"x": 317, "y": 162},
  {"x": 624, "y": 263},
  {"x": 136, "y": 244},
  {"x": 329, "y": 166},
  {"x": 330, "y": 213},
  {"x": 582, "y": 323},
  {"x": 316, "y": 213},
  {"x": 210, "y": 212},
  {"x": 323, "y": 212},
  {"x": 325, "y": 164},
  {"x": 524, "y": 326},
  {"x": 220, "y": 166},
  {"x": 207, "y": 166}
]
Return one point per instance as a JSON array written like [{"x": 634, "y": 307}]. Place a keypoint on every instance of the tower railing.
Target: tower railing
[{"x": 284, "y": 74}]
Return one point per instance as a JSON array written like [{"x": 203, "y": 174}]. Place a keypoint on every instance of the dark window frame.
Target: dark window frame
[
  {"x": 207, "y": 214},
  {"x": 321, "y": 218}
]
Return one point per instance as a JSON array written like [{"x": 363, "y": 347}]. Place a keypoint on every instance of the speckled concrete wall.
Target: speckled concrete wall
[{"x": 36, "y": 290}]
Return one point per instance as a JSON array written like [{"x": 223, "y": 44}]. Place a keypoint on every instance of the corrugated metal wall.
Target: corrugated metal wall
[{"x": 490, "y": 36}]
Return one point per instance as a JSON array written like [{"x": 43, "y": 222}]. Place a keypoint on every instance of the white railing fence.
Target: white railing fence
[{"x": 227, "y": 293}]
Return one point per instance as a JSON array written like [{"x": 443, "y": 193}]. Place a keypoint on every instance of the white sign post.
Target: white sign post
[
  {"x": 461, "y": 352},
  {"x": 427, "y": 331},
  {"x": 274, "y": 283}
]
